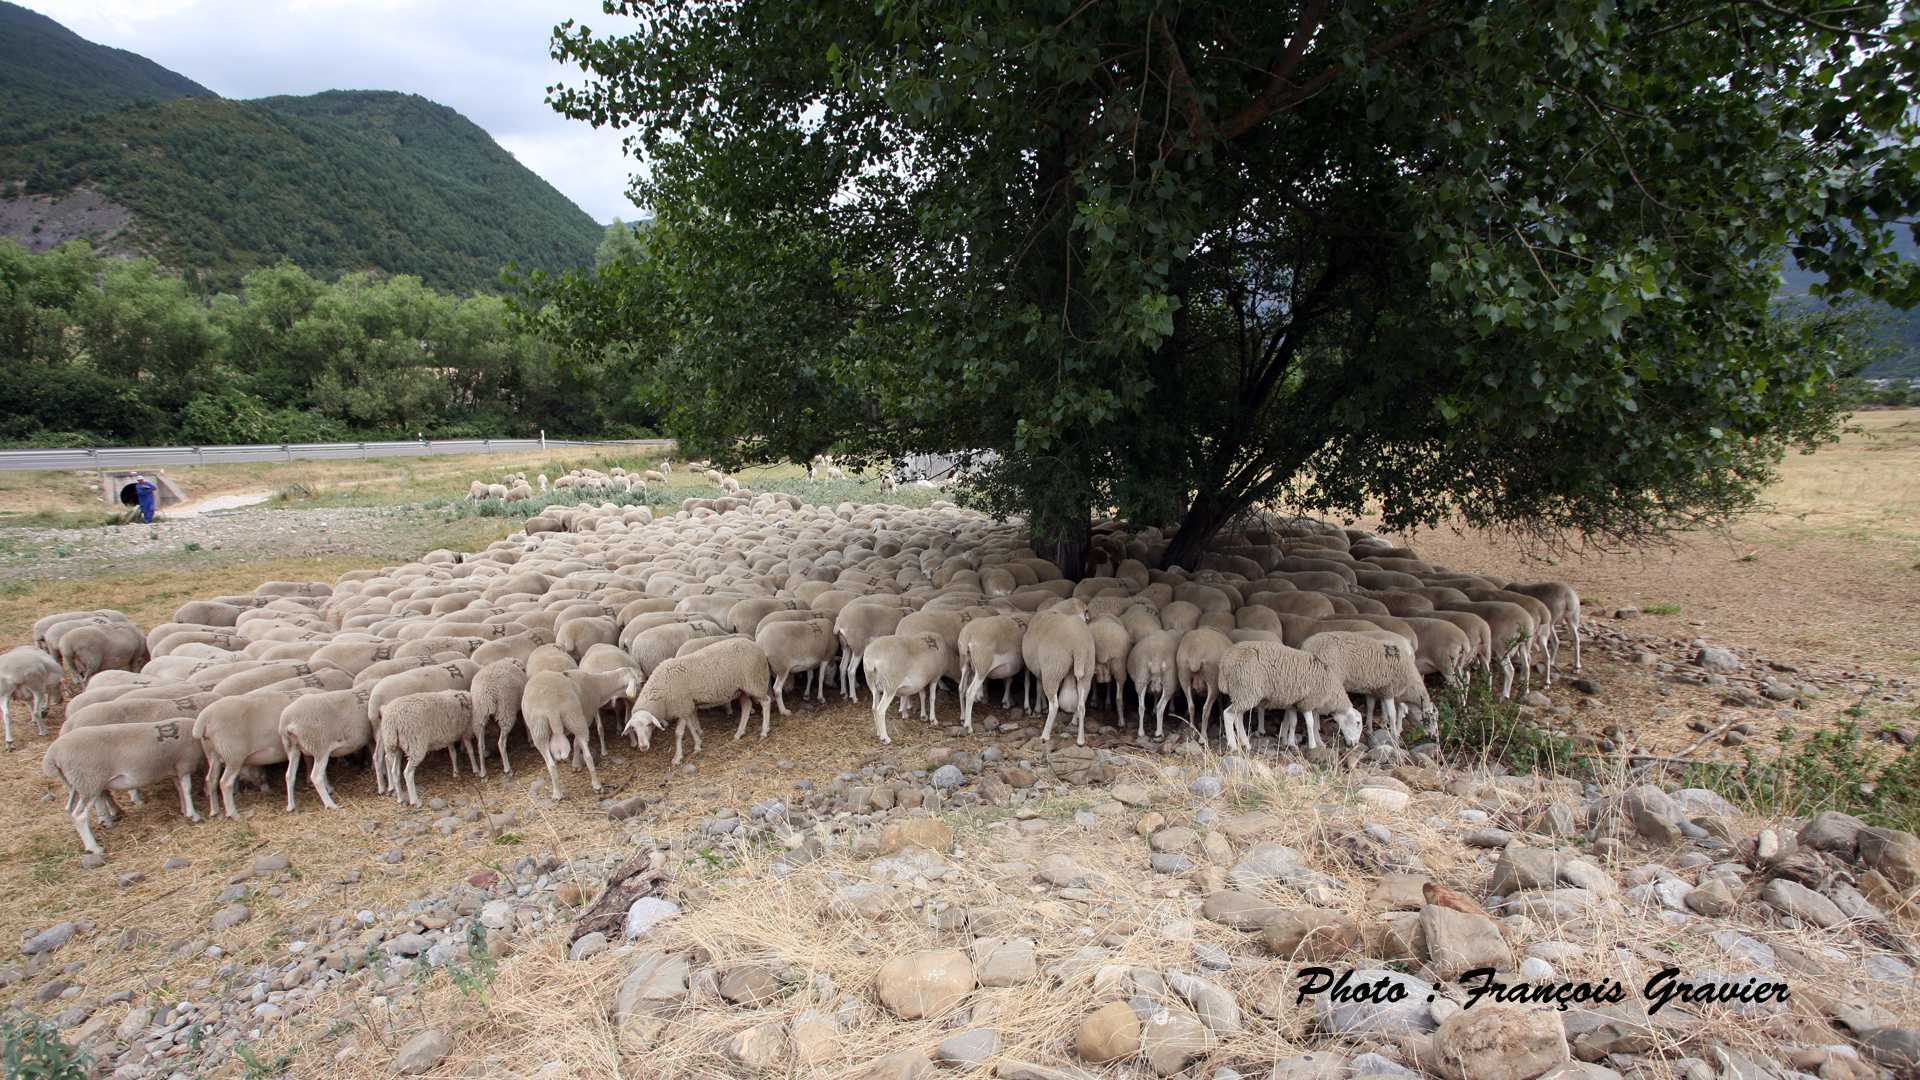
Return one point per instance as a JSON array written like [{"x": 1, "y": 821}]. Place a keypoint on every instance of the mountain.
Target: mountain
[
  {"x": 337, "y": 182},
  {"x": 1900, "y": 330},
  {"x": 48, "y": 74}
]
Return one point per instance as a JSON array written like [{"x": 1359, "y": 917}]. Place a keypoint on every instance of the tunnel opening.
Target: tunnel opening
[{"x": 130, "y": 495}]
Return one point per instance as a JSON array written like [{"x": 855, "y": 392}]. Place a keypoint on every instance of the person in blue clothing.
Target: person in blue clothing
[{"x": 144, "y": 491}]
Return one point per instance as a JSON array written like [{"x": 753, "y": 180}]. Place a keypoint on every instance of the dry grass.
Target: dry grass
[{"x": 1869, "y": 483}]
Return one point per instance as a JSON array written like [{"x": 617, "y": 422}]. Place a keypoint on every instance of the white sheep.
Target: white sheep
[
  {"x": 903, "y": 666},
  {"x": 497, "y": 690},
  {"x": 1265, "y": 675},
  {"x": 323, "y": 727},
  {"x": 30, "y": 674},
  {"x": 237, "y": 732},
  {"x": 1152, "y": 665},
  {"x": 732, "y": 670},
  {"x": 990, "y": 649},
  {"x": 418, "y": 724},
  {"x": 1058, "y": 648},
  {"x": 1383, "y": 670},
  {"x": 93, "y": 762},
  {"x": 798, "y": 648}
]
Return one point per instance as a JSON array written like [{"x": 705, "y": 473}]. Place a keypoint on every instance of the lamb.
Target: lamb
[
  {"x": 731, "y": 670},
  {"x": 990, "y": 649},
  {"x": 798, "y": 648},
  {"x": 1152, "y": 665},
  {"x": 323, "y": 727},
  {"x": 93, "y": 762},
  {"x": 1264, "y": 675},
  {"x": 28, "y": 673},
  {"x": 903, "y": 666},
  {"x": 418, "y": 724},
  {"x": 1059, "y": 649},
  {"x": 1384, "y": 672},
  {"x": 452, "y": 675},
  {"x": 85, "y": 650},
  {"x": 1197, "y": 665},
  {"x": 240, "y": 731},
  {"x": 497, "y": 690}
]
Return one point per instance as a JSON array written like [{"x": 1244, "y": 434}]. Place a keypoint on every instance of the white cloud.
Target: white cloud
[{"x": 488, "y": 59}]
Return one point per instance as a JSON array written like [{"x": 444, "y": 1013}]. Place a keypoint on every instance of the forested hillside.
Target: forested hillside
[
  {"x": 99, "y": 351},
  {"x": 367, "y": 181},
  {"x": 49, "y": 74}
]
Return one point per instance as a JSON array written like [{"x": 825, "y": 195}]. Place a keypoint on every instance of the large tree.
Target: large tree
[{"x": 1508, "y": 262}]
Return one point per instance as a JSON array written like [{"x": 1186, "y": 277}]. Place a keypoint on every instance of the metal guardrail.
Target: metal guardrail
[{"x": 145, "y": 457}]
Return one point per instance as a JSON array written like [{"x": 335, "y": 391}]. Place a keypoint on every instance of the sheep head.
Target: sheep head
[
  {"x": 641, "y": 724},
  {"x": 1350, "y": 725}
]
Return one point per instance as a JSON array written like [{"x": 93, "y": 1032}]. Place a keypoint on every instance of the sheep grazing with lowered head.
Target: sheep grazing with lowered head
[
  {"x": 727, "y": 671},
  {"x": 1267, "y": 675},
  {"x": 1380, "y": 667},
  {"x": 418, "y": 724},
  {"x": 903, "y": 666},
  {"x": 30, "y": 674},
  {"x": 323, "y": 727}
]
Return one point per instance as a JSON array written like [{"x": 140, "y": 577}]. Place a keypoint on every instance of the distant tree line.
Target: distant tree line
[{"x": 103, "y": 351}]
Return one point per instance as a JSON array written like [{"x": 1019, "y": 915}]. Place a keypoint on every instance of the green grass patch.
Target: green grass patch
[{"x": 1661, "y": 609}]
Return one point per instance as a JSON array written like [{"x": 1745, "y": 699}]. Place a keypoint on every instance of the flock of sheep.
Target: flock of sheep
[
  {"x": 603, "y": 613},
  {"x": 588, "y": 481}
]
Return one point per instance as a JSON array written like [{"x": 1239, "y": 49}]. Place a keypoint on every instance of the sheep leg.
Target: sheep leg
[
  {"x": 229, "y": 780},
  {"x": 184, "y": 781},
  {"x": 593, "y": 774},
  {"x": 453, "y": 755},
  {"x": 599, "y": 725},
  {"x": 477, "y": 752},
  {"x": 1573, "y": 628},
  {"x": 780, "y": 694},
  {"x": 1261, "y": 720},
  {"x": 80, "y": 825},
  {"x": 393, "y": 776},
  {"x": 319, "y": 778},
  {"x": 1120, "y": 700},
  {"x": 881, "y": 701},
  {"x": 1160, "y": 714},
  {"x": 746, "y": 713},
  {"x": 506, "y": 728},
  {"x": 1313, "y": 729},
  {"x": 6, "y": 720},
  {"x": 213, "y": 786},
  {"x": 293, "y": 774},
  {"x": 1293, "y": 727},
  {"x": 413, "y": 762},
  {"x": 1141, "y": 728},
  {"x": 1053, "y": 710}
]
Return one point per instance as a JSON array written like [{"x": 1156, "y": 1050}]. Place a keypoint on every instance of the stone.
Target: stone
[
  {"x": 1109, "y": 1033},
  {"x": 1582, "y": 874},
  {"x": 1833, "y": 831},
  {"x": 1325, "y": 1065},
  {"x": 1062, "y": 872},
  {"x": 1525, "y": 868},
  {"x": 646, "y": 913},
  {"x": 924, "y": 984},
  {"x": 1894, "y": 1047},
  {"x": 1213, "y": 1004},
  {"x": 406, "y": 945},
  {"x": 50, "y": 939},
  {"x": 421, "y": 1054},
  {"x": 815, "y": 1037},
  {"x": 763, "y": 1046},
  {"x": 1176, "y": 839},
  {"x": 1587, "y": 1070},
  {"x": 969, "y": 1049},
  {"x": 1170, "y": 1038},
  {"x": 1558, "y": 820},
  {"x": 1215, "y": 846},
  {"x": 231, "y": 916},
  {"x": 1079, "y": 765},
  {"x": 1385, "y": 799},
  {"x": 1459, "y": 942},
  {"x": 1496, "y": 1042},
  {"x": 1206, "y": 787},
  {"x": 1266, "y": 864},
  {"x": 1015, "y": 1069},
  {"x": 270, "y": 864},
  {"x": 1132, "y": 795},
  {"x": 928, "y": 833},
  {"x": 1713, "y": 898},
  {"x": 1311, "y": 935},
  {"x": 1165, "y": 862},
  {"x": 1240, "y": 910},
  {"x": 1668, "y": 893},
  {"x": 495, "y": 915},
  {"x": 1398, "y": 892},
  {"x": 1397, "y": 936},
  {"x": 947, "y": 777},
  {"x": 653, "y": 979},
  {"x": 1723, "y": 661},
  {"x": 1795, "y": 899},
  {"x": 1895, "y": 854},
  {"x": 750, "y": 985},
  {"x": 904, "y": 866},
  {"x": 1375, "y": 1016},
  {"x": 1487, "y": 838}
]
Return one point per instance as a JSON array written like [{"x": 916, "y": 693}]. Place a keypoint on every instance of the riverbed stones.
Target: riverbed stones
[
  {"x": 924, "y": 984},
  {"x": 1795, "y": 899},
  {"x": 1499, "y": 1042},
  {"x": 1366, "y": 1008},
  {"x": 421, "y": 1054},
  {"x": 1458, "y": 942},
  {"x": 1109, "y": 1033},
  {"x": 1311, "y": 935}
]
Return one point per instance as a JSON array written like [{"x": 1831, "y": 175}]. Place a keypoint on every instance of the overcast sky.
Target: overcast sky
[{"x": 486, "y": 58}]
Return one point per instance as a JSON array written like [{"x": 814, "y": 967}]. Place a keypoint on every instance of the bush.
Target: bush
[
  {"x": 1835, "y": 769},
  {"x": 1475, "y": 723},
  {"x": 30, "y": 1049}
]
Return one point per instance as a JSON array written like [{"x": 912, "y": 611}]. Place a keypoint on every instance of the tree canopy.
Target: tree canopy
[{"x": 1505, "y": 262}]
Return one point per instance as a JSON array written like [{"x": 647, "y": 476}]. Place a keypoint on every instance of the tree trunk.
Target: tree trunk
[
  {"x": 1065, "y": 545},
  {"x": 1198, "y": 526}
]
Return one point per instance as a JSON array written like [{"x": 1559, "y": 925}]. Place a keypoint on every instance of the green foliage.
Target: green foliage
[
  {"x": 1832, "y": 769},
  {"x": 335, "y": 183},
  {"x": 1475, "y": 723},
  {"x": 1499, "y": 263},
  {"x": 48, "y": 74},
  {"x": 100, "y": 351},
  {"x": 30, "y": 1049},
  {"x": 254, "y": 1067}
]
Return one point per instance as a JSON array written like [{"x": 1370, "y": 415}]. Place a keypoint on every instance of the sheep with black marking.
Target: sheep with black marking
[
  {"x": 732, "y": 670},
  {"x": 904, "y": 666},
  {"x": 990, "y": 649},
  {"x": 1058, "y": 648},
  {"x": 1382, "y": 670},
  {"x": 497, "y": 690},
  {"x": 93, "y": 762},
  {"x": 1269, "y": 675},
  {"x": 323, "y": 727},
  {"x": 416, "y": 725}
]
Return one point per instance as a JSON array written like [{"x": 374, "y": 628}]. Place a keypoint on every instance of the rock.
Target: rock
[
  {"x": 646, "y": 913},
  {"x": 924, "y": 984},
  {"x": 1835, "y": 832},
  {"x": 969, "y": 1049},
  {"x": 231, "y": 916},
  {"x": 1713, "y": 898},
  {"x": 1109, "y": 1033},
  {"x": 1655, "y": 816},
  {"x": 1311, "y": 935},
  {"x": 1206, "y": 787},
  {"x": 1582, "y": 874},
  {"x": 1495, "y": 1042},
  {"x": 900, "y": 1065},
  {"x": 1397, "y": 936},
  {"x": 1668, "y": 893},
  {"x": 873, "y": 899},
  {"x": 421, "y": 1053},
  {"x": 1325, "y": 1065},
  {"x": 270, "y": 864},
  {"x": 1062, "y": 872},
  {"x": 1216, "y": 848},
  {"x": 1265, "y": 864},
  {"x": 815, "y": 1037},
  {"x": 1171, "y": 1037},
  {"x": 1723, "y": 661},
  {"x": 1240, "y": 910},
  {"x": 1132, "y": 795},
  {"x": 1586, "y": 1070},
  {"x": 406, "y": 945},
  {"x": 1398, "y": 892},
  {"x": 763, "y": 1046},
  {"x": 947, "y": 777},
  {"x": 653, "y": 979},
  {"x": 1213, "y": 1004},
  {"x": 1176, "y": 839},
  {"x": 1079, "y": 765},
  {"x": 1015, "y": 1069},
  {"x": 50, "y": 939},
  {"x": 750, "y": 985},
  {"x": 1376, "y": 1015},
  {"x": 1383, "y": 798},
  {"x": 1459, "y": 942},
  {"x": 1487, "y": 838},
  {"x": 496, "y": 915},
  {"x": 1894, "y": 1047},
  {"x": 906, "y": 865},
  {"x": 1525, "y": 868},
  {"x": 928, "y": 833},
  {"x": 1169, "y": 863},
  {"x": 1795, "y": 899},
  {"x": 1895, "y": 854}
]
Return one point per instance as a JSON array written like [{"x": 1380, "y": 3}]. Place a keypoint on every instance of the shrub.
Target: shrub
[{"x": 30, "y": 1049}]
